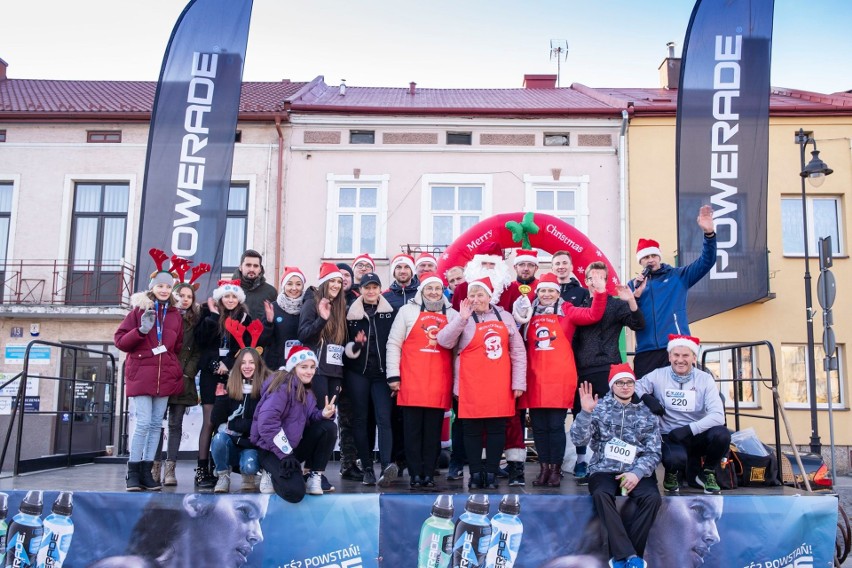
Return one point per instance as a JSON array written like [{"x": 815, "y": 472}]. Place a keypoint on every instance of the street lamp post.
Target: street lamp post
[{"x": 814, "y": 172}]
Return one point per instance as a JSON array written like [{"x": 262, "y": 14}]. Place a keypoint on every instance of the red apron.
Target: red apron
[
  {"x": 485, "y": 373},
  {"x": 551, "y": 371},
  {"x": 426, "y": 368}
]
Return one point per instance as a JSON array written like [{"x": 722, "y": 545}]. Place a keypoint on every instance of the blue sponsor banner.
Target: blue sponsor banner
[
  {"x": 191, "y": 140},
  {"x": 691, "y": 530},
  {"x": 722, "y": 149},
  {"x": 367, "y": 531}
]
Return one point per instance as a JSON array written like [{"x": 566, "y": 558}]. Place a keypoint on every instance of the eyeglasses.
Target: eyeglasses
[{"x": 623, "y": 384}]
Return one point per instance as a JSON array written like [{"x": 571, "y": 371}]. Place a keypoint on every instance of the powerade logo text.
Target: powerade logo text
[
  {"x": 724, "y": 156},
  {"x": 20, "y": 558},
  {"x": 503, "y": 554},
  {"x": 199, "y": 100}
]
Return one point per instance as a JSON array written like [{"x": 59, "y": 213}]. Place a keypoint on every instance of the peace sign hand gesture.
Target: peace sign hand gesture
[
  {"x": 588, "y": 400},
  {"x": 330, "y": 408}
]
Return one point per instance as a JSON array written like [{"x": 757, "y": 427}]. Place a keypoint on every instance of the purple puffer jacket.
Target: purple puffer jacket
[
  {"x": 147, "y": 374},
  {"x": 281, "y": 410}
]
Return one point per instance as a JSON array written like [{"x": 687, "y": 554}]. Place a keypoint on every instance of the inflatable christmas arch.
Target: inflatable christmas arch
[{"x": 527, "y": 230}]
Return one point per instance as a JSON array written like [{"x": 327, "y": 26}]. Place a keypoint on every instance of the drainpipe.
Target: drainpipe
[
  {"x": 279, "y": 203},
  {"x": 622, "y": 191}
]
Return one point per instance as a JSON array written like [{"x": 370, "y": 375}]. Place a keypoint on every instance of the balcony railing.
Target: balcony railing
[{"x": 67, "y": 283}]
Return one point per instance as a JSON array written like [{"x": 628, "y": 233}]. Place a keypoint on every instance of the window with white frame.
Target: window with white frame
[
  {"x": 5, "y": 218},
  {"x": 728, "y": 365},
  {"x": 236, "y": 227},
  {"x": 453, "y": 204},
  {"x": 357, "y": 216},
  {"x": 565, "y": 198},
  {"x": 794, "y": 377},
  {"x": 824, "y": 217}
]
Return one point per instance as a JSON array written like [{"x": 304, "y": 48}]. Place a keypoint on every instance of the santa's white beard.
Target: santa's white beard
[{"x": 500, "y": 276}]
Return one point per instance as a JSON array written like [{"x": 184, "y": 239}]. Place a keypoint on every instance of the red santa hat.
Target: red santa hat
[
  {"x": 620, "y": 371},
  {"x": 327, "y": 272},
  {"x": 548, "y": 280},
  {"x": 425, "y": 257},
  {"x": 299, "y": 354},
  {"x": 683, "y": 341},
  {"x": 364, "y": 258},
  {"x": 523, "y": 255},
  {"x": 290, "y": 272},
  {"x": 405, "y": 259},
  {"x": 229, "y": 287},
  {"x": 647, "y": 247},
  {"x": 429, "y": 278},
  {"x": 484, "y": 283}
]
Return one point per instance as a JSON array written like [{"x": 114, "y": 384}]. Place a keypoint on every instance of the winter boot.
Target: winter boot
[
  {"x": 490, "y": 481},
  {"x": 555, "y": 477},
  {"x": 156, "y": 470},
  {"x": 223, "y": 481},
  {"x": 146, "y": 479},
  {"x": 169, "y": 475},
  {"x": 516, "y": 474},
  {"x": 132, "y": 476},
  {"x": 543, "y": 475},
  {"x": 204, "y": 478}
]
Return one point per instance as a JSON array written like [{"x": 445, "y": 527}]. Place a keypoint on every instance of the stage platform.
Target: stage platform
[{"x": 359, "y": 526}]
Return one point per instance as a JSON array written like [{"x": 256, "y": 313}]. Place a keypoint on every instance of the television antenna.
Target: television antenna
[{"x": 559, "y": 51}]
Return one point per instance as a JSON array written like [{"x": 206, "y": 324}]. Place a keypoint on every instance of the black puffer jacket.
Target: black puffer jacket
[
  {"x": 368, "y": 359},
  {"x": 596, "y": 346}
]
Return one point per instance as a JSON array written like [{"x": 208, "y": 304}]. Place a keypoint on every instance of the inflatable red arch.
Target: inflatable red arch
[{"x": 553, "y": 234}]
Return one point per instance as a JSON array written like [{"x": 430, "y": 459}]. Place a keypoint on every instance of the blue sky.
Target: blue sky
[{"x": 437, "y": 43}]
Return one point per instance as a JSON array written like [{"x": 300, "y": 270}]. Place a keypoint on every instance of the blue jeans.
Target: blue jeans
[
  {"x": 149, "y": 412},
  {"x": 227, "y": 454}
]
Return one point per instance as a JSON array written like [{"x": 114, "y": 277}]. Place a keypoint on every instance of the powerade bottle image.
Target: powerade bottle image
[
  {"x": 58, "y": 530},
  {"x": 436, "y": 544},
  {"x": 25, "y": 532},
  {"x": 473, "y": 534},
  {"x": 506, "y": 533},
  {"x": 4, "y": 510}
]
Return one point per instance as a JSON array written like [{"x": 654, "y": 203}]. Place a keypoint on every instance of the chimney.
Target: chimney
[
  {"x": 670, "y": 68},
  {"x": 3, "y": 66},
  {"x": 342, "y": 90},
  {"x": 412, "y": 88},
  {"x": 539, "y": 81}
]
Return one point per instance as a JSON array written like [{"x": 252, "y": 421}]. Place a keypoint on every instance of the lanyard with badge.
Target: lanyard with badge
[{"x": 160, "y": 323}]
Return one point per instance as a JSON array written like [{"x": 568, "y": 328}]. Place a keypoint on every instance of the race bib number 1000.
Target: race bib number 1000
[{"x": 620, "y": 451}]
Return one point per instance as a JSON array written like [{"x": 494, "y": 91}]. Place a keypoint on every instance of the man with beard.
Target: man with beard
[
  {"x": 487, "y": 262},
  {"x": 254, "y": 284},
  {"x": 570, "y": 289},
  {"x": 405, "y": 283}
]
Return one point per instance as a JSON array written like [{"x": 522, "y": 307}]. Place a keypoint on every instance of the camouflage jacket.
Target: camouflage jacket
[{"x": 632, "y": 423}]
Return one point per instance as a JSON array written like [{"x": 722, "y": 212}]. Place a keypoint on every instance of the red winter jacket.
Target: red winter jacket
[{"x": 147, "y": 373}]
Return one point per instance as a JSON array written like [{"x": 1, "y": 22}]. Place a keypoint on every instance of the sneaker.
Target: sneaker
[
  {"x": 326, "y": 485},
  {"x": 313, "y": 486},
  {"x": 613, "y": 563},
  {"x": 671, "y": 482},
  {"x": 581, "y": 470},
  {"x": 223, "y": 484},
  {"x": 455, "y": 473},
  {"x": 636, "y": 562},
  {"x": 250, "y": 483},
  {"x": 353, "y": 473},
  {"x": 266, "y": 486},
  {"x": 388, "y": 475},
  {"x": 707, "y": 480},
  {"x": 369, "y": 477}
]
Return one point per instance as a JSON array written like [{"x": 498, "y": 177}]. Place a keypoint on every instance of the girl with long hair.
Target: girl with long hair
[
  {"x": 218, "y": 354},
  {"x": 232, "y": 417},
  {"x": 322, "y": 329},
  {"x": 290, "y": 428}
]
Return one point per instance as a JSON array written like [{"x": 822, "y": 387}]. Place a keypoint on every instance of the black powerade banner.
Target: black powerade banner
[
  {"x": 722, "y": 149},
  {"x": 191, "y": 140}
]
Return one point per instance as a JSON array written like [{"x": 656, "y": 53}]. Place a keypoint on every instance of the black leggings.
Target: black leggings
[
  {"x": 548, "y": 426},
  {"x": 494, "y": 430},
  {"x": 422, "y": 438},
  {"x": 315, "y": 447},
  {"x": 367, "y": 393}
]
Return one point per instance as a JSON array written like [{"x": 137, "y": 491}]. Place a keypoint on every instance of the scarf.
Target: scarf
[
  {"x": 682, "y": 380},
  {"x": 290, "y": 305}
]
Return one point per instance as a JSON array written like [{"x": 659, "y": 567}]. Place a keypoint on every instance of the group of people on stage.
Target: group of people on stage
[{"x": 282, "y": 372}]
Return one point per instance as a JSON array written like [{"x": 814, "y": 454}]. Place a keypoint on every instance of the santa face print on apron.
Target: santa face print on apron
[{"x": 485, "y": 373}]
